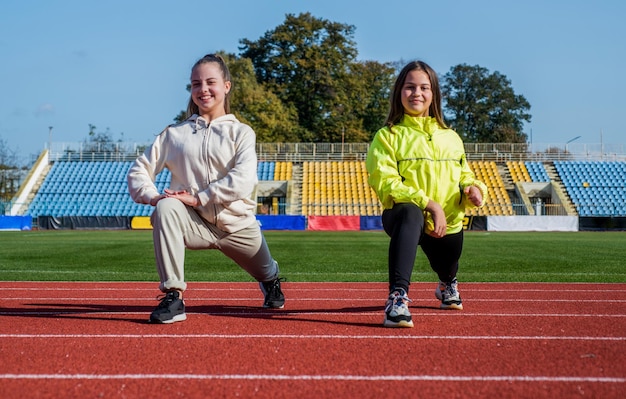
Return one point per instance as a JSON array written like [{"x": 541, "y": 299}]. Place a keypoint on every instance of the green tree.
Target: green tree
[
  {"x": 482, "y": 106},
  {"x": 9, "y": 173},
  {"x": 369, "y": 94},
  {"x": 99, "y": 141},
  {"x": 254, "y": 104},
  {"x": 306, "y": 62}
]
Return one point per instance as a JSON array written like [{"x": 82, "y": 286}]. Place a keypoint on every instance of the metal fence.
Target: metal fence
[{"x": 300, "y": 152}]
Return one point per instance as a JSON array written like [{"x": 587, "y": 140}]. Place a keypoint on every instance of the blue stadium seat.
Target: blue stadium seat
[
  {"x": 85, "y": 188},
  {"x": 82, "y": 188},
  {"x": 598, "y": 187}
]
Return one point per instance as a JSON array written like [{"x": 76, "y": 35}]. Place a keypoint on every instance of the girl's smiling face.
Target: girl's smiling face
[
  {"x": 208, "y": 90},
  {"x": 416, "y": 93}
]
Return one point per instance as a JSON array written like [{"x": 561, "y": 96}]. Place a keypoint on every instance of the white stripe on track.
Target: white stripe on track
[
  {"x": 315, "y": 336},
  {"x": 401, "y": 377},
  {"x": 285, "y": 313},
  {"x": 83, "y": 300},
  {"x": 254, "y": 287}
]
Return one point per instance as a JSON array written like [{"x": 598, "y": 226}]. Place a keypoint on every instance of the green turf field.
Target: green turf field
[{"x": 126, "y": 255}]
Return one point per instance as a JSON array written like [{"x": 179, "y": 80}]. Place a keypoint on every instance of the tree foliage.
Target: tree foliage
[
  {"x": 301, "y": 82},
  {"x": 483, "y": 107},
  {"x": 9, "y": 173},
  {"x": 99, "y": 141},
  {"x": 370, "y": 95},
  {"x": 310, "y": 64},
  {"x": 252, "y": 103}
]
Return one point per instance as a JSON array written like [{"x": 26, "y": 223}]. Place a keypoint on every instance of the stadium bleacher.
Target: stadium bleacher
[
  {"x": 71, "y": 188},
  {"x": 337, "y": 188},
  {"x": 519, "y": 171},
  {"x": 499, "y": 201},
  {"x": 89, "y": 189},
  {"x": 595, "y": 188},
  {"x": 537, "y": 171}
]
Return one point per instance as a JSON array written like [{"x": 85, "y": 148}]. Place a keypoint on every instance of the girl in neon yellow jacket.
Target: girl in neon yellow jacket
[{"x": 418, "y": 169}]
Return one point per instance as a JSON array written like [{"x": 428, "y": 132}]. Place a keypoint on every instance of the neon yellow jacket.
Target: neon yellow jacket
[{"x": 416, "y": 161}]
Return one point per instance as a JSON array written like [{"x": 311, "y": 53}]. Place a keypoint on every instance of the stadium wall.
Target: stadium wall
[
  {"x": 602, "y": 223},
  {"x": 282, "y": 222},
  {"x": 16, "y": 222},
  {"x": 327, "y": 223},
  {"x": 532, "y": 223},
  {"x": 319, "y": 223},
  {"x": 84, "y": 222}
]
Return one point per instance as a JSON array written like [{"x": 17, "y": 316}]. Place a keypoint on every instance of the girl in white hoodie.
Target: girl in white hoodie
[{"x": 212, "y": 160}]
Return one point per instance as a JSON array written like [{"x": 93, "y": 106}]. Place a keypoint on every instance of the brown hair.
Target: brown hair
[
  {"x": 396, "y": 110},
  {"x": 192, "y": 108}
]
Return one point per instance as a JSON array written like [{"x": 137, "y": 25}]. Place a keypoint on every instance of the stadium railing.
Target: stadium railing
[{"x": 299, "y": 152}]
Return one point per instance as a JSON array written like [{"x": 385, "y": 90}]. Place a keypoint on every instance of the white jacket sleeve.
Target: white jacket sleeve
[{"x": 142, "y": 174}]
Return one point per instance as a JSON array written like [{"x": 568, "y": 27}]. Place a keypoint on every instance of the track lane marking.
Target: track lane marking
[
  {"x": 83, "y": 300},
  {"x": 315, "y": 336},
  {"x": 311, "y": 377},
  {"x": 255, "y": 288},
  {"x": 283, "y": 313}
]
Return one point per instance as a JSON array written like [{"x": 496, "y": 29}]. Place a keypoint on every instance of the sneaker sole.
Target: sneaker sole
[
  {"x": 178, "y": 317},
  {"x": 398, "y": 324},
  {"x": 451, "y": 306},
  {"x": 270, "y": 306}
]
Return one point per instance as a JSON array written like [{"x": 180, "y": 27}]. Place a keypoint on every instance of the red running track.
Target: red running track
[{"x": 517, "y": 340}]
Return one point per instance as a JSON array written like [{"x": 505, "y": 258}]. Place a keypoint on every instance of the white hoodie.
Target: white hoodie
[{"x": 215, "y": 161}]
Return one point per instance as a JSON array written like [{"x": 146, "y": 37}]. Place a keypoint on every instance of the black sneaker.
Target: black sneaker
[
  {"x": 170, "y": 310},
  {"x": 274, "y": 297}
]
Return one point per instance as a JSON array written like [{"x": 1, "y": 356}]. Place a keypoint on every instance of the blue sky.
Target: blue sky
[{"x": 124, "y": 65}]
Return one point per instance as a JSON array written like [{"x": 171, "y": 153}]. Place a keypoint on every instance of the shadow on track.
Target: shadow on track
[{"x": 108, "y": 312}]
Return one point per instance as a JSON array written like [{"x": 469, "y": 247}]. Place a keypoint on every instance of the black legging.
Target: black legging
[{"x": 404, "y": 223}]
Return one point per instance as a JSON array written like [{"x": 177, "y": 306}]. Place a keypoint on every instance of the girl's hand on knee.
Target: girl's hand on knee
[
  {"x": 439, "y": 219},
  {"x": 183, "y": 196},
  {"x": 156, "y": 199}
]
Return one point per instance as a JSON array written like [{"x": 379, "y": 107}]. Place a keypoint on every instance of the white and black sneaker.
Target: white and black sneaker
[
  {"x": 170, "y": 310},
  {"x": 448, "y": 294},
  {"x": 397, "y": 310},
  {"x": 274, "y": 297}
]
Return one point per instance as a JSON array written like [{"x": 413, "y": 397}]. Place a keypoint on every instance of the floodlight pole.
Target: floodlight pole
[
  {"x": 49, "y": 139},
  {"x": 343, "y": 135},
  {"x": 574, "y": 139}
]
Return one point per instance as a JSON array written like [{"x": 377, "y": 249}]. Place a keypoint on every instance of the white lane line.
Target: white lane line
[
  {"x": 284, "y": 313},
  {"x": 296, "y": 287},
  {"x": 83, "y": 300},
  {"x": 381, "y": 274},
  {"x": 308, "y": 377},
  {"x": 314, "y": 336}
]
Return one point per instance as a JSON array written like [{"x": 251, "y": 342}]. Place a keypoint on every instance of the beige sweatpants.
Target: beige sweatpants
[{"x": 177, "y": 226}]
